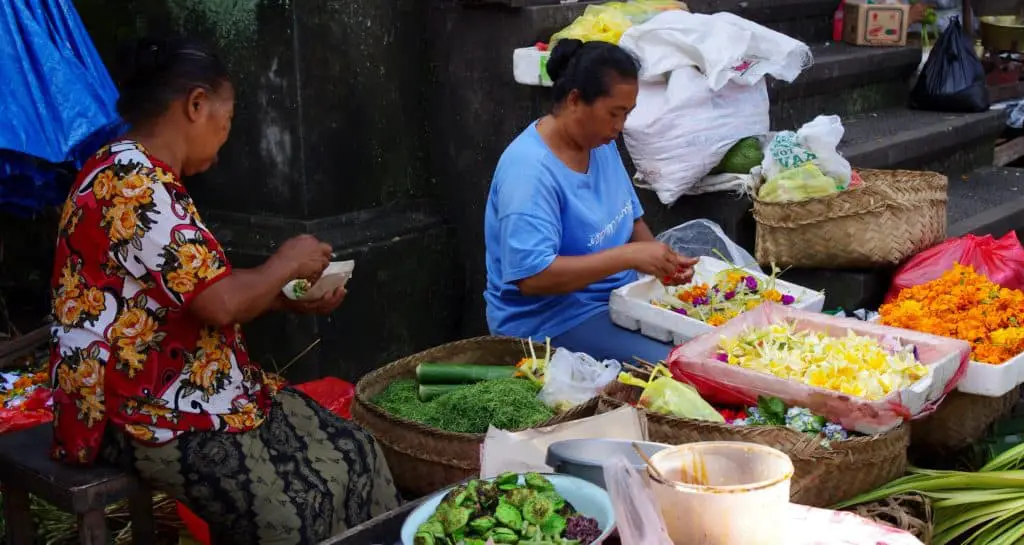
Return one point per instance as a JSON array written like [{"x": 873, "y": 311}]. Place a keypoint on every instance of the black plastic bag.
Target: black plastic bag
[{"x": 953, "y": 79}]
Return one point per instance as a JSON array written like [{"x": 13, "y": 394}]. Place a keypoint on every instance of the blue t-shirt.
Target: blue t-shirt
[{"x": 538, "y": 209}]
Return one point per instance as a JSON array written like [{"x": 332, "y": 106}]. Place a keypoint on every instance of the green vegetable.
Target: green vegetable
[
  {"x": 482, "y": 525},
  {"x": 300, "y": 287},
  {"x": 426, "y": 392},
  {"x": 509, "y": 404},
  {"x": 504, "y": 511},
  {"x": 981, "y": 508},
  {"x": 458, "y": 373},
  {"x": 743, "y": 156},
  {"x": 537, "y": 482},
  {"x": 508, "y": 515}
]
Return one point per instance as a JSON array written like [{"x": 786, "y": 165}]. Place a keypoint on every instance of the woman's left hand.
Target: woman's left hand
[{"x": 323, "y": 306}]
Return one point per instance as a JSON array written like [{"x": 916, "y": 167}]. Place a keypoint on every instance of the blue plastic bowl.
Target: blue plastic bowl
[{"x": 589, "y": 499}]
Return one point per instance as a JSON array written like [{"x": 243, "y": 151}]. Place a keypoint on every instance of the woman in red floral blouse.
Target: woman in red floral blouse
[{"x": 148, "y": 362}]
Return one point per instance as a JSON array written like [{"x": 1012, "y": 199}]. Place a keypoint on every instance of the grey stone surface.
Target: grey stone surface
[
  {"x": 844, "y": 80},
  {"x": 987, "y": 201},
  {"x": 847, "y": 289}
]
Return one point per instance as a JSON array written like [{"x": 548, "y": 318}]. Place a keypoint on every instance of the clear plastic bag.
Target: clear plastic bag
[
  {"x": 816, "y": 143},
  {"x": 702, "y": 238},
  {"x": 802, "y": 183},
  {"x": 573, "y": 378},
  {"x": 637, "y": 515}
]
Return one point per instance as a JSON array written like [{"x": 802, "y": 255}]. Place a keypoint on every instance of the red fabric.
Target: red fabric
[
  {"x": 1000, "y": 260},
  {"x": 331, "y": 392},
  {"x": 31, "y": 413},
  {"x": 132, "y": 253}
]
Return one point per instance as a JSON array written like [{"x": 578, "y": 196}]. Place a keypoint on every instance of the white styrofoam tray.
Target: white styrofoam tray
[
  {"x": 530, "y": 66},
  {"x": 630, "y": 306},
  {"x": 990, "y": 380}
]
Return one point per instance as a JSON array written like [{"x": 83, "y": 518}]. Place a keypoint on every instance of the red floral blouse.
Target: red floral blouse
[{"x": 131, "y": 255}]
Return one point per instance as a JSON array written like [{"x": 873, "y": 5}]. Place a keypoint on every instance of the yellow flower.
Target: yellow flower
[
  {"x": 134, "y": 190},
  {"x": 182, "y": 282},
  {"x": 122, "y": 222},
  {"x": 140, "y": 432},
  {"x": 103, "y": 184}
]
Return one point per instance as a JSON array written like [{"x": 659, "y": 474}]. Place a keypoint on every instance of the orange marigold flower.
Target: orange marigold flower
[{"x": 966, "y": 305}]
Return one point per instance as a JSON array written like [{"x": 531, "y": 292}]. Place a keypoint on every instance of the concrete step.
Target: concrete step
[
  {"x": 806, "y": 20},
  {"x": 845, "y": 80},
  {"x": 988, "y": 201}
]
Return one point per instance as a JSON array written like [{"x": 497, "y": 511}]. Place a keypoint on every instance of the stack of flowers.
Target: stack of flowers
[
  {"x": 965, "y": 305},
  {"x": 18, "y": 387},
  {"x": 732, "y": 292},
  {"x": 854, "y": 365}
]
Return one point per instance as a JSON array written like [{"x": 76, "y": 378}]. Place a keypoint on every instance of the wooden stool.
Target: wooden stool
[{"x": 26, "y": 468}]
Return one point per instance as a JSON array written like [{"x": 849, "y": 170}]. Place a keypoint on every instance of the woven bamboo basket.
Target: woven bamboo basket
[
  {"x": 961, "y": 420},
  {"x": 425, "y": 459},
  {"x": 908, "y": 512},
  {"x": 823, "y": 476},
  {"x": 894, "y": 215}
]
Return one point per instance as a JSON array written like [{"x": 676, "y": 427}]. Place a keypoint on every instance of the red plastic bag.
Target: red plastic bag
[
  {"x": 1002, "y": 261},
  {"x": 32, "y": 412},
  {"x": 331, "y": 392}
]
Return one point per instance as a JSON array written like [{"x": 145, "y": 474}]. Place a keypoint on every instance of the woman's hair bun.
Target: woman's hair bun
[{"x": 560, "y": 57}]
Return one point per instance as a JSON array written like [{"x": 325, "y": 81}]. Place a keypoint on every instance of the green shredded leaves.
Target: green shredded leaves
[{"x": 508, "y": 404}]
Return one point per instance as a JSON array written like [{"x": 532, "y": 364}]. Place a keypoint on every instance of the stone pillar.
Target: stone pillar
[{"x": 329, "y": 138}]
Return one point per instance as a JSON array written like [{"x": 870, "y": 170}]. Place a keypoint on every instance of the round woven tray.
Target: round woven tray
[
  {"x": 425, "y": 459},
  {"x": 942, "y": 438},
  {"x": 823, "y": 476},
  {"x": 908, "y": 512},
  {"x": 894, "y": 215}
]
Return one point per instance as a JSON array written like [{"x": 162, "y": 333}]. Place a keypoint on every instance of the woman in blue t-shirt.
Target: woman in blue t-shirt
[{"x": 563, "y": 226}]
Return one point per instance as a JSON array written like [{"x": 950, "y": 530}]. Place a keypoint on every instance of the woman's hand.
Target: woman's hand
[
  {"x": 660, "y": 261},
  {"x": 306, "y": 255},
  {"x": 323, "y": 306}
]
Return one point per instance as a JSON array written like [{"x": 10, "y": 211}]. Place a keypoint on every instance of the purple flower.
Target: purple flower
[
  {"x": 788, "y": 299},
  {"x": 723, "y": 357},
  {"x": 701, "y": 300},
  {"x": 751, "y": 283},
  {"x": 681, "y": 311},
  {"x": 729, "y": 295}
]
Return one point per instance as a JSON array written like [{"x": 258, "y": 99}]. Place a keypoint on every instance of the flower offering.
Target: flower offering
[
  {"x": 854, "y": 365},
  {"x": 732, "y": 292},
  {"x": 965, "y": 305}
]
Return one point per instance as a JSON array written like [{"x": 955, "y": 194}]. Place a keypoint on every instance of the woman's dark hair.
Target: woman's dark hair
[
  {"x": 153, "y": 73},
  {"x": 586, "y": 67}
]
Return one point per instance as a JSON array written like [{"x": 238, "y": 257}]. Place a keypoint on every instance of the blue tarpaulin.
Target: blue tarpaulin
[{"x": 58, "y": 103}]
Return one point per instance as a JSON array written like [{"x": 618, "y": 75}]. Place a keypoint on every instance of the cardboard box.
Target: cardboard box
[{"x": 876, "y": 24}]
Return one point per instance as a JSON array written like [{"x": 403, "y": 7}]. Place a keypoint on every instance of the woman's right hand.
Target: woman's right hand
[
  {"x": 307, "y": 255},
  {"x": 658, "y": 260}
]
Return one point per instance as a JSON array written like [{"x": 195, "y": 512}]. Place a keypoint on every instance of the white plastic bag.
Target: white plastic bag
[
  {"x": 573, "y": 378},
  {"x": 815, "y": 142},
  {"x": 637, "y": 515},
  {"x": 702, "y": 90},
  {"x": 701, "y": 238}
]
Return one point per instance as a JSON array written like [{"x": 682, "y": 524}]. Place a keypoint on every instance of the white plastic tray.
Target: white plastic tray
[
  {"x": 530, "y": 66},
  {"x": 989, "y": 380},
  {"x": 630, "y": 306}
]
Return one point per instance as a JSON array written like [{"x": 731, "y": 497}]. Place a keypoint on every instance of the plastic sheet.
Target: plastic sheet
[
  {"x": 703, "y": 238},
  {"x": 59, "y": 104},
  {"x": 1000, "y": 260},
  {"x": 32, "y": 412},
  {"x": 637, "y": 514},
  {"x": 720, "y": 383}
]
